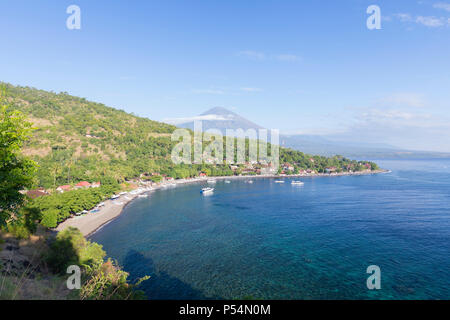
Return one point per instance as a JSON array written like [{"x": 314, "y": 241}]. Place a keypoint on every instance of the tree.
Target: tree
[{"x": 16, "y": 171}]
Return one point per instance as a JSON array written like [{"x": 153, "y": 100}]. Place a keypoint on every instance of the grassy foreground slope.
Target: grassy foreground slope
[{"x": 79, "y": 140}]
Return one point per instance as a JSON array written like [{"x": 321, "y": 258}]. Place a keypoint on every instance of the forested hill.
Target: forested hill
[{"x": 77, "y": 140}]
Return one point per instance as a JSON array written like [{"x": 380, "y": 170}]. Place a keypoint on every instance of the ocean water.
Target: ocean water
[{"x": 276, "y": 241}]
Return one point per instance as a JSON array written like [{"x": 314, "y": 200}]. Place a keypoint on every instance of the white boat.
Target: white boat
[
  {"x": 143, "y": 196},
  {"x": 227, "y": 181},
  {"x": 279, "y": 181},
  {"x": 297, "y": 183},
  {"x": 211, "y": 181},
  {"x": 250, "y": 181},
  {"x": 207, "y": 190}
]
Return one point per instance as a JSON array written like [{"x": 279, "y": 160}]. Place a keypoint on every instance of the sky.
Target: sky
[{"x": 306, "y": 67}]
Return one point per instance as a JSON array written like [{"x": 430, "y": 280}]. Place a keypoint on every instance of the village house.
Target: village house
[
  {"x": 82, "y": 185},
  {"x": 64, "y": 188},
  {"x": 248, "y": 165},
  {"x": 33, "y": 194},
  {"x": 330, "y": 169},
  {"x": 268, "y": 169}
]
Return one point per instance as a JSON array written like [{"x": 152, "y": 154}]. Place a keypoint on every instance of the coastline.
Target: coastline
[{"x": 90, "y": 223}]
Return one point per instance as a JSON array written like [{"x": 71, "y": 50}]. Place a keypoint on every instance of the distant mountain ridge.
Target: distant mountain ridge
[{"x": 221, "y": 118}]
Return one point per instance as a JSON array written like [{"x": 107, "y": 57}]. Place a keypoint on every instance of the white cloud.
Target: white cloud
[
  {"x": 260, "y": 56},
  {"x": 248, "y": 89},
  {"x": 404, "y": 99},
  {"x": 208, "y": 91},
  {"x": 431, "y": 22},
  {"x": 287, "y": 57},
  {"x": 412, "y": 129},
  {"x": 403, "y": 17},
  {"x": 404, "y": 119},
  {"x": 213, "y": 117},
  {"x": 428, "y": 21},
  {"x": 252, "y": 55},
  {"x": 442, "y": 5}
]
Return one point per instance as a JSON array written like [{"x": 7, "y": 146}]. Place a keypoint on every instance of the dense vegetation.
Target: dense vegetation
[
  {"x": 16, "y": 171},
  {"x": 77, "y": 140},
  {"x": 102, "y": 280},
  {"x": 58, "y": 207}
]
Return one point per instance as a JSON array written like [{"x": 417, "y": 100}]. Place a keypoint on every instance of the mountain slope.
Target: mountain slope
[
  {"x": 221, "y": 119},
  {"x": 86, "y": 140}
]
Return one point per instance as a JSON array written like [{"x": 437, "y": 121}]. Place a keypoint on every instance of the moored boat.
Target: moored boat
[{"x": 207, "y": 190}]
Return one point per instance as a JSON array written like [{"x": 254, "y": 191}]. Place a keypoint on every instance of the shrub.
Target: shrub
[
  {"x": 61, "y": 255},
  {"x": 18, "y": 230},
  {"x": 50, "y": 218},
  {"x": 108, "y": 282},
  {"x": 71, "y": 248}
]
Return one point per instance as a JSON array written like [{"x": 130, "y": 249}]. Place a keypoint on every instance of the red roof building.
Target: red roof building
[
  {"x": 63, "y": 188},
  {"x": 83, "y": 184},
  {"x": 33, "y": 194}
]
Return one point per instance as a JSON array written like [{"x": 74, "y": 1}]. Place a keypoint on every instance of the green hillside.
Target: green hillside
[{"x": 76, "y": 139}]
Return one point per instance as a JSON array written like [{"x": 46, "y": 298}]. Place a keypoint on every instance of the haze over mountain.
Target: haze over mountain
[
  {"x": 221, "y": 118},
  {"x": 217, "y": 118}
]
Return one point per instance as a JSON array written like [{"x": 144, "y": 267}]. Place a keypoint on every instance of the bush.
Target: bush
[
  {"x": 24, "y": 223},
  {"x": 61, "y": 255},
  {"x": 71, "y": 248},
  {"x": 50, "y": 218},
  {"x": 108, "y": 282},
  {"x": 18, "y": 230}
]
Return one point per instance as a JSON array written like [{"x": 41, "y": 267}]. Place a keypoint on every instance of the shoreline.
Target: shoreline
[{"x": 92, "y": 222}]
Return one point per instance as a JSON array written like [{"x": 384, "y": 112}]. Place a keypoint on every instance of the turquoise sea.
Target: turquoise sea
[{"x": 276, "y": 241}]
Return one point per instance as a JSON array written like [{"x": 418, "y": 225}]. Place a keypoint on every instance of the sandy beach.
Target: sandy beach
[{"x": 91, "y": 222}]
